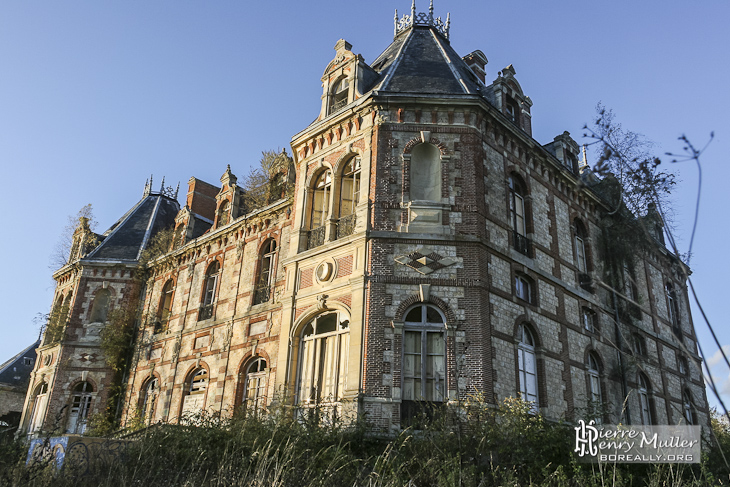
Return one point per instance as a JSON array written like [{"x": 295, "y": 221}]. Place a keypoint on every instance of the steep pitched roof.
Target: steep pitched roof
[
  {"x": 128, "y": 237},
  {"x": 421, "y": 61},
  {"x": 16, "y": 366}
]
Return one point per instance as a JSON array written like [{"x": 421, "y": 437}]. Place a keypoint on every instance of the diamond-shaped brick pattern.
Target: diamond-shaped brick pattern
[{"x": 425, "y": 264}]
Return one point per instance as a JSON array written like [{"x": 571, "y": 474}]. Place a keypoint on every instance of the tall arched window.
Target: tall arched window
[
  {"x": 324, "y": 347},
  {"x": 593, "y": 376},
  {"x": 581, "y": 256},
  {"x": 100, "y": 308},
  {"x": 224, "y": 213},
  {"x": 339, "y": 94},
  {"x": 149, "y": 400},
  {"x": 518, "y": 215},
  {"x": 254, "y": 394},
  {"x": 644, "y": 403},
  {"x": 527, "y": 367},
  {"x": 40, "y": 404},
  {"x": 209, "y": 291},
  {"x": 197, "y": 385},
  {"x": 321, "y": 195},
  {"x": 165, "y": 309},
  {"x": 425, "y": 173},
  {"x": 424, "y": 355},
  {"x": 688, "y": 409},
  {"x": 80, "y": 406},
  {"x": 267, "y": 272},
  {"x": 349, "y": 197},
  {"x": 673, "y": 309}
]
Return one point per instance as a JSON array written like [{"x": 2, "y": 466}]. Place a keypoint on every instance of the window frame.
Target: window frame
[
  {"x": 210, "y": 291},
  {"x": 425, "y": 328},
  {"x": 255, "y": 383},
  {"x": 526, "y": 353},
  {"x": 688, "y": 409},
  {"x": 339, "y": 95},
  {"x": 266, "y": 274},
  {"x": 167, "y": 294},
  {"x": 149, "y": 399},
  {"x": 644, "y": 393},
  {"x": 593, "y": 378},
  {"x": 80, "y": 403},
  {"x": 323, "y": 361},
  {"x": 524, "y": 288}
]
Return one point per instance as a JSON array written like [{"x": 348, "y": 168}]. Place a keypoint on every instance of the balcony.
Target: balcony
[
  {"x": 521, "y": 243},
  {"x": 261, "y": 294},
  {"x": 346, "y": 226},
  {"x": 315, "y": 237},
  {"x": 206, "y": 312}
]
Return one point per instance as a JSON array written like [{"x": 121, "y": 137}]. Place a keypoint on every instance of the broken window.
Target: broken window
[
  {"x": 194, "y": 400},
  {"x": 80, "y": 406},
  {"x": 165, "y": 309},
  {"x": 209, "y": 291},
  {"x": 338, "y": 97},
  {"x": 255, "y": 390},
  {"x": 644, "y": 396},
  {"x": 149, "y": 400},
  {"x": 40, "y": 404},
  {"x": 267, "y": 272}
]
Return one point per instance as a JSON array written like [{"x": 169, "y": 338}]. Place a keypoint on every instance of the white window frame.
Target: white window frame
[
  {"x": 323, "y": 361},
  {"x": 527, "y": 368},
  {"x": 429, "y": 366}
]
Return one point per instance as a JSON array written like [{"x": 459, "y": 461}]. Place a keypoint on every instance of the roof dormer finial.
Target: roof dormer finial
[{"x": 430, "y": 12}]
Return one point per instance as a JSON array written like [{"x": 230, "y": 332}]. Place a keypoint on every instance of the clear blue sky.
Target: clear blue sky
[{"x": 96, "y": 96}]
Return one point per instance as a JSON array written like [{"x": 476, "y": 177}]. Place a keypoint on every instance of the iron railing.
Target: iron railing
[
  {"x": 206, "y": 312},
  {"x": 521, "y": 243},
  {"x": 261, "y": 294},
  {"x": 315, "y": 237},
  {"x": 346, "y": 226}
]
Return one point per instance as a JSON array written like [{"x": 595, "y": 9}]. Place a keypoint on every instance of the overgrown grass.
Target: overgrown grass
[{"x": 472, "y": 445}]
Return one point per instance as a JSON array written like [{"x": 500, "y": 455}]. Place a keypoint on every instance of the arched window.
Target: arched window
[
  {"x": 673, "y": 309},
  {"x": 425, "y": 169},
  {"x": 581, "y": 256},
  {"x": 527, "y": 367},
  {"x": 80, "y": 406},
  {"x": 224, "y": 213},
  {"x": 339, "y": 94},
  {"x": 267, "y": 272},
  {"x": 100, "y": 309},
  {"x": 321, "y": 195},
  {"x": 349, "y": 197},
  {"x": 518, "y": 215},
  {"x": 40, "y": 404},
  {"x": 254, "y": 394},
  {"x": 165, "y": 309},
  {"x": 593, "y": 377},
  {"x": 209, "y": 291},
  {"x": 644, "y": 395},
  {"x": 149, "y": 400},
  {"x": 324, "y": 345},
  {"x": 688, "y": 409},
  {"x": 424, "y": 355},
  {"x": 512, "y": 110},
  {"x": 197, "y": 385}
]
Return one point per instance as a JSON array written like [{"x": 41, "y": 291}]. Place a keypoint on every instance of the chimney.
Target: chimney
[{"x": 476, "y": 62}]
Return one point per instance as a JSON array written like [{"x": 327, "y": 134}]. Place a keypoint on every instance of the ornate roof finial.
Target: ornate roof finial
[
  {"x": 177, "y": 189},
  {"x": 395, "y": 22},
  {"x": 162, "y": 186},
  {"x": 408, "y": 21}
]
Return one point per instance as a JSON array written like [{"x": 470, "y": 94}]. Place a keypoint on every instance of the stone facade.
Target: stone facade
[{"x": 431, "y": 251}]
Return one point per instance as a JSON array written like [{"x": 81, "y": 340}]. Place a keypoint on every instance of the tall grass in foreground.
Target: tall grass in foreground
[{"x": 471, "y": 445}]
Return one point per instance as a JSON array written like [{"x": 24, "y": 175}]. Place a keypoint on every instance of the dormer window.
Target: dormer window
[
  {"x": 338, "y": 97},
  {"x": 512, "y": 110}
]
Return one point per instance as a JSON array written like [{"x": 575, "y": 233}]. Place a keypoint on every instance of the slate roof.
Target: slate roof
[
  {"x": 128, "y": 237},
  {"x": 16, "y": 367},
  {"x": 421, "y": 61}
]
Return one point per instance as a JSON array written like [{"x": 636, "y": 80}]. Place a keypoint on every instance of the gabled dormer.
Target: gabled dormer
[
  {"x": 83, "y": 240},
  {"x": 227, "y": 199},
  {"x": 345, "y": 80},
  {"x": 566, "y": 150},
  {"x": 510, "y": 99}
]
